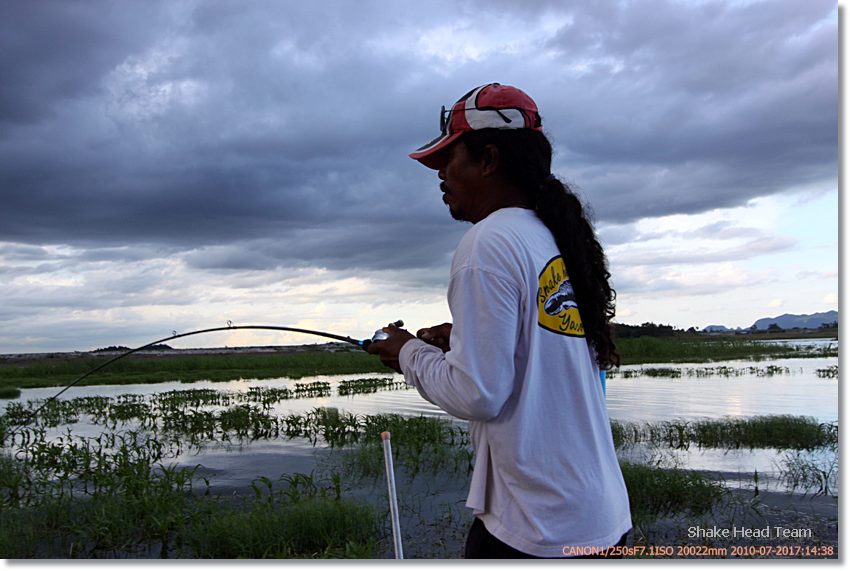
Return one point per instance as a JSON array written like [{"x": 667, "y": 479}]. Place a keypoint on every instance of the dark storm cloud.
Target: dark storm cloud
[
  {"x": 55, "y": 51},
  {"x": 698, "y": 106},
  {"x": 249, "y": 136}
]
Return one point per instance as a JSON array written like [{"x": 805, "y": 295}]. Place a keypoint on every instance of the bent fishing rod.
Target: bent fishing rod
[{"x": 362, "y": 343}]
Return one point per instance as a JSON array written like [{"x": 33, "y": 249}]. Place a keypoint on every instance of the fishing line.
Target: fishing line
[{"x": 362, "y": 343}]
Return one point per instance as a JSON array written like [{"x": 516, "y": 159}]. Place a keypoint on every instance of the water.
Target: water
[{"x": 799, "y": 393}]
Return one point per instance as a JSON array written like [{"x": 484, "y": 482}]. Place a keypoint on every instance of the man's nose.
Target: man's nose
[{"x": 442, "y": 174}]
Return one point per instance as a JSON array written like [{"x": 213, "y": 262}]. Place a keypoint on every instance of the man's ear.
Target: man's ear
[{"x": 490, "y": 160}]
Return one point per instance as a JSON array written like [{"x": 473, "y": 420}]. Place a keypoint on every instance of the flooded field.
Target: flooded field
[{"x": 232, "y": 435}]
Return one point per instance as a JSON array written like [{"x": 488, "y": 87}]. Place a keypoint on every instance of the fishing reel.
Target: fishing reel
[{"x": 380, "y": 335}]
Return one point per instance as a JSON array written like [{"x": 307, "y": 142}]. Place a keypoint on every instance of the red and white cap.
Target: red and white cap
[{"x": 491, "y": 106}]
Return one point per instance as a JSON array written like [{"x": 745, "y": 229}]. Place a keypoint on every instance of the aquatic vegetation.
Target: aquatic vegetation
[
  {"x": 314, "y": 527},
  {"x": 115, "y": 496},
  {"x": 654, "y": 492},
  {"x": 830, "y": 372},
  {"x": 70, "y": 495},
  {"x": 50, "y": 371},
  {"x": 701, "y": 350},
  {"x": 9, "y": 392},
  {"x": 422, "y": 443},
  {"x": 371, "y": 385},
  {"x": 167, "y": 408},
  {"x": 314, "y": 389},
  {"x": 701, "y": 372},
  {"x": 800, "y": 470},
  {"x": 780, "y": 431}
]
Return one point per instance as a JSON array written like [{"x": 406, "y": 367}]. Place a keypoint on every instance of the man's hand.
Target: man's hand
[
  {"x": 388, "y": 349},
  {"x": 437, "y": 335}
]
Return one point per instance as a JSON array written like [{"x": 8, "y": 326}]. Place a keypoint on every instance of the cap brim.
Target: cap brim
[{"x": 431, "y": 155}]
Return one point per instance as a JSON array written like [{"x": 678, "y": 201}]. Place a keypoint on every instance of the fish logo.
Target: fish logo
[
  {"x": 557, "y": 309},
  {"x": 563, "y": 299}
]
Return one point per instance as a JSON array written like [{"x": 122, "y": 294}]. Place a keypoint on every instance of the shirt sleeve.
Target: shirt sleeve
[{"x": 475, "y": 378}]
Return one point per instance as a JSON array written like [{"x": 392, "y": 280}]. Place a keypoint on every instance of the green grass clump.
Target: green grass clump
[
  {"x": 423, "y": 443},
  {"x": 371, "y": 385},
  {"x": 311, "y": 528},
  {"x": 655, "y": 492},
  {"x": 830, "y": 372},
  {"x": 778, "y": 431},
  {"x": 9, "y": 392}
]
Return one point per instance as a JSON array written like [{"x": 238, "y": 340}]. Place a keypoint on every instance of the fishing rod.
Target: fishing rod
[{"x": 362, "y": 343}]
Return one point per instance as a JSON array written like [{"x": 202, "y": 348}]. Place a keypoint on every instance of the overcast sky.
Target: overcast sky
[{"x": 166, "y": 166}]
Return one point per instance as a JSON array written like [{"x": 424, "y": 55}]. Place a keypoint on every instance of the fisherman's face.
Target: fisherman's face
[{"x": 461, "y": 184}]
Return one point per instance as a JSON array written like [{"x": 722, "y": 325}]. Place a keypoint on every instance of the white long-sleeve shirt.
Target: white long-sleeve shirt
[{"x": 546, "y": 476}]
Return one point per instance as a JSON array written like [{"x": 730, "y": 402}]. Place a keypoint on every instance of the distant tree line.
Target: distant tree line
[
  {"x": 649, "y": 329},
  {"x": 623, "y": 331},
  {"x": 158, "y": 347}
]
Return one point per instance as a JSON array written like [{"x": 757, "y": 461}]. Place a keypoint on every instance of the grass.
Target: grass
[
  {"x": 371, "y": 385},
  {"x": 655, "y": 492},
  {"x": 117, "y": 495},
  {"x": 133, "y": 370},
  {"x": 9, "y": 392},
  {"x": 423, "y": 443},
  {"x": 705, "y": 372},
  {"x": 162, "y": 521},
  {"x": 783, "y": 432},
  {"x": 642, "y": 350},
  {"x": 52, "y": 371},
  {"x": 314, "y": 528},
  {"x": 815, "y": 474},
  {"x": 206, "y": 415}
]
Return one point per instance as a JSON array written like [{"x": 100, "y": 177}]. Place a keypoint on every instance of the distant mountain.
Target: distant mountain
[
  {"x": 716, "y": 329},
  {"x": 788, "y": 321}
]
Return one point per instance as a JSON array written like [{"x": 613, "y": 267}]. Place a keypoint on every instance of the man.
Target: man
[{"x": 530, "y": 303}]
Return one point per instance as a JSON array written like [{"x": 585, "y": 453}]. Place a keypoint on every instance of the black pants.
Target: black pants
[{"x": 481, "y": 544}]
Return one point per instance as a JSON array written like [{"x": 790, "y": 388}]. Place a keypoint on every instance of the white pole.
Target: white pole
[{"x": 388, "y": 462}]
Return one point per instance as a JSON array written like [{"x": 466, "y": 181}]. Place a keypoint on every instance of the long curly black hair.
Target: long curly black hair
[{"x": 525, "y": 160}]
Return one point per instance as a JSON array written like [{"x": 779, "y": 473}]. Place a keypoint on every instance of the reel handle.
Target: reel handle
[{"x": 380, "y": 335}]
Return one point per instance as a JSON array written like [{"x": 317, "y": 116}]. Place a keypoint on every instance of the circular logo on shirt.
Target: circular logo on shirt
[{"x": 557, "y": 310}]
